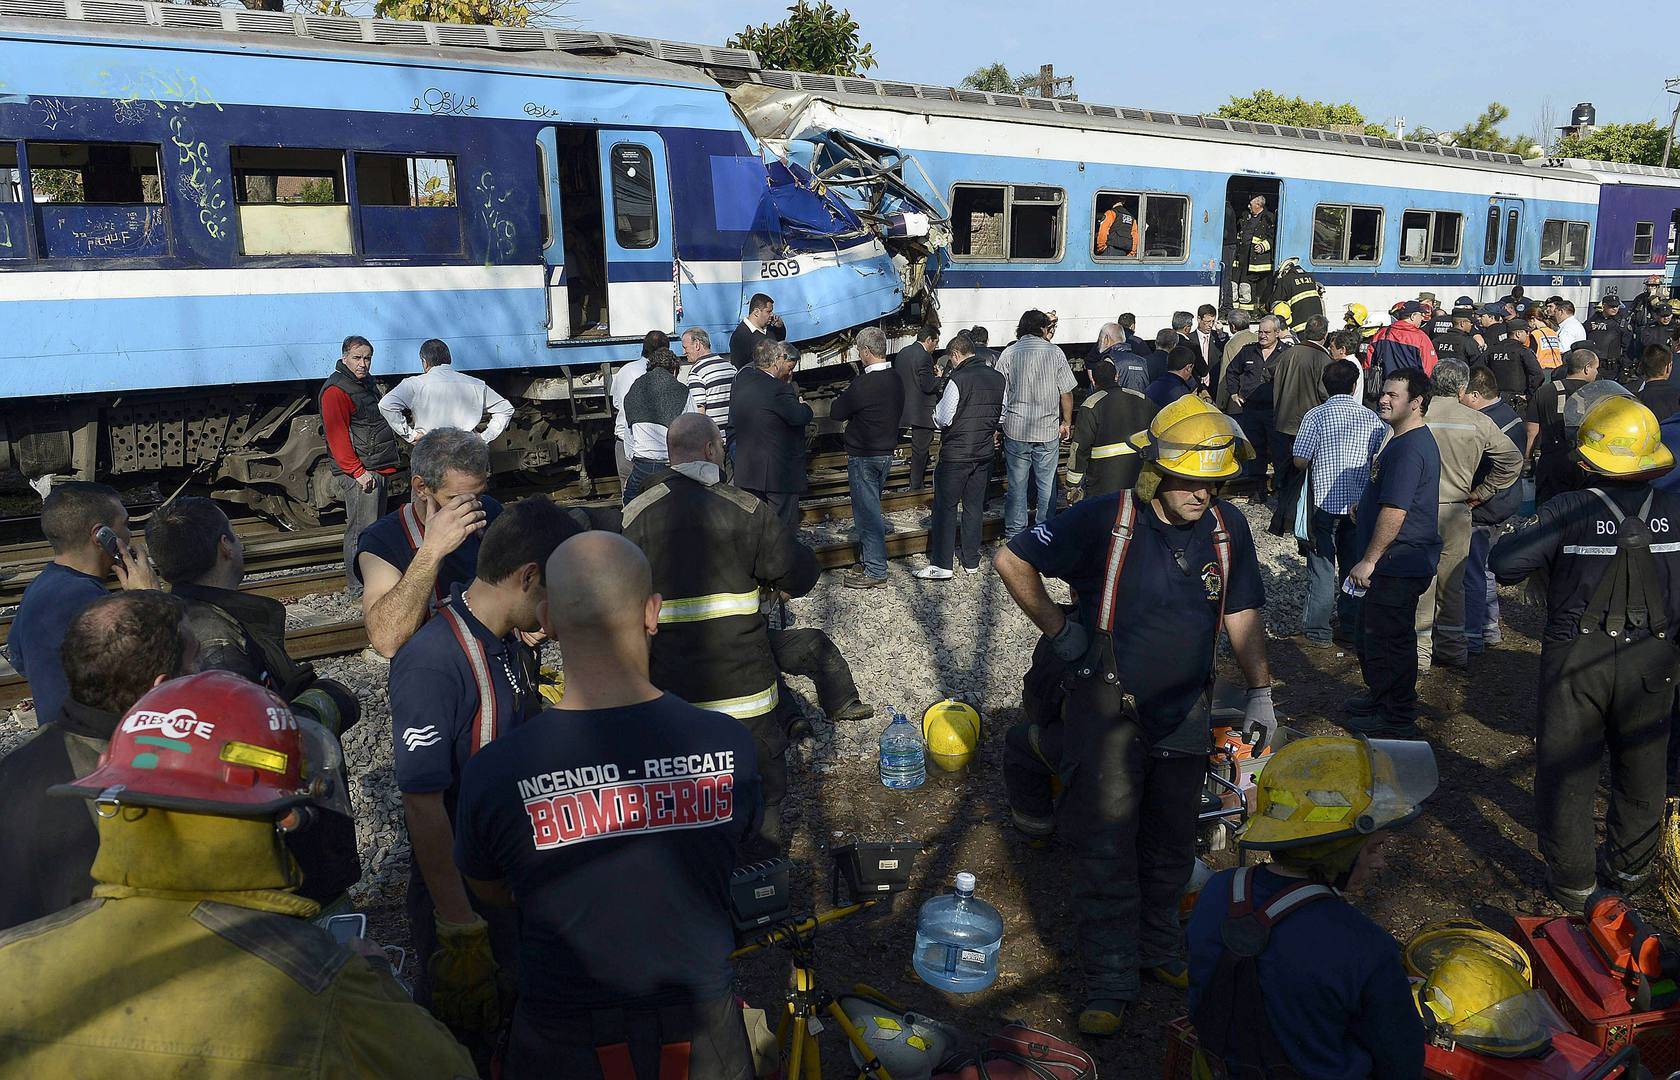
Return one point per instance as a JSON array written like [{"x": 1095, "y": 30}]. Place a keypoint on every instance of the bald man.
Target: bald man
[{"x": 615, "y": 818}]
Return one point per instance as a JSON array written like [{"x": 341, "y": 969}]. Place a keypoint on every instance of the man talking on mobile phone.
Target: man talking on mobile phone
[{"x": 87, "y": 526}]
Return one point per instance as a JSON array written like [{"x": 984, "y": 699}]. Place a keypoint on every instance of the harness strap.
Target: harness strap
[
  {"x": 414, "y": 531},
  {"x": 1118, "y": 544},
  {"x": 1222, "y": 555},
  {"x": 484, "y": 721},
  {"x": 1629, "y": 595}
]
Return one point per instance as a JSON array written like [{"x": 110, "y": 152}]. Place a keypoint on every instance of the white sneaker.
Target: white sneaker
[
  {"x": 971, "y": 569},
  {"x": 934, "y": 573}
]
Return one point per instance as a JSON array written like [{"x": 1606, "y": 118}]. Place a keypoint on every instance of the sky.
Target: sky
[{"x": 1191, "y": 57}]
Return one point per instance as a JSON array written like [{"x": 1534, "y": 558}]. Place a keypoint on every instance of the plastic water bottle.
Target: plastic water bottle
[
  {"x": 903, "y": 764},
  {"x": 957, "y": 940}
]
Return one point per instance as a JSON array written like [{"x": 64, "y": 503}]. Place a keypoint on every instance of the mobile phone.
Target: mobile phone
[
  {"x": 107, "y": 538},
  {"x": 346, "y": 928}
]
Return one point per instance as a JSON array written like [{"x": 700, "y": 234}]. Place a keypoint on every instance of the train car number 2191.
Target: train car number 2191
[{"x": 778, "y": 268}]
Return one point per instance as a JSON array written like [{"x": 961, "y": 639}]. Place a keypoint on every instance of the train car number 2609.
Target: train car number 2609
[{"x": 778, "y": 268}]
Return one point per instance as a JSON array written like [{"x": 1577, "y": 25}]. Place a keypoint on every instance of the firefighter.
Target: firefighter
[
  {"x": 1286, "y": 977},
  {"x": 1256, "y": 238},
  {"x": 1607, "y": 661},
  {"x": 196, "y": 957},
  {"x": 713, "y": 649},
  {"x": 1176, "y": 564},
  {"x": 1100, "y": 460},
  {"x": 1300, "y": 292}
]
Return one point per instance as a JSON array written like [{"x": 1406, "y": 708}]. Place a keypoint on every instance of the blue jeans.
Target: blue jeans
[
  {"x": 866, "y": 476},
  {"x": 641, "y": 470},
  {"x": 1481, "y": 596},
  {"x": 1328, "y": 563},
  {"x": 1034, "y": 464}
]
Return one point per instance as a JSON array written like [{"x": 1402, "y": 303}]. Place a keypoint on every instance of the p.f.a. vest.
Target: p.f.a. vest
[
  {"x": 370, "y": 436},
  {"x": 1591, "y": 522},
  {"x": 979, "y": 410},
  {"x": 1609, "y": 337}
]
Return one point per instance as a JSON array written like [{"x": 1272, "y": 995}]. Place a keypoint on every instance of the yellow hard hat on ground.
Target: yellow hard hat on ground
[
  {"x": 951, "y": 730},
  {"x": 1620, "y": 437},
  {"x": 1431, "y": 944},
  {"x": 1356, "y": 314},
  {"x": 1326, "y": 788},
  {"x": 1192, "y": 439},
  {"x": 1482, "y": 1002}
]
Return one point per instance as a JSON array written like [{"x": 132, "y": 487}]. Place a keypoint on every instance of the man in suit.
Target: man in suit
[
  {"x": 760, "y": 310},
  {"x": 913, "y": 365},
  {"x": 769, "y": 420},
  {"x": 1209, "y": 342}
]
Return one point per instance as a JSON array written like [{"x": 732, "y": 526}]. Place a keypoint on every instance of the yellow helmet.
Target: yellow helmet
[
  {"x": 1480, "y": 1001},
  {"x": 952, "y": 732},
  {"x": 1282, "y": 310},
  {"x": 1434, "y": 941},
  {"x": 1192, "y": 439},
  {"x": 1333, "y": 787},
  {"x": 1356, "y": 314},
  {"x": 1621, "y": 437}
]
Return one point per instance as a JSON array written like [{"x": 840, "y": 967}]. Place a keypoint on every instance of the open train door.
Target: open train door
[
  {"x": 642, "y": 291},
  {"x": 1239, "y": 191}
]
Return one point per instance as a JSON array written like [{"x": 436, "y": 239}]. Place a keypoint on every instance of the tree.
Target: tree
[
  {"x": 483, "y": 12},
  {"x": 1636, "y": 144},
  {"x": 996, "y": 79},
  {"x": 818, "y": 38},
  {"x": 1266, "y": 107},
  {"x": 1483, "y": 133}
]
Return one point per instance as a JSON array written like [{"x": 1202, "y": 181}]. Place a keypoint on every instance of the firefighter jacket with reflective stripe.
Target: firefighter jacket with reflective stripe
[
  {"x": 163, "y": 976},
  {"x": 712, "y": 548},
  {"x": 1099, "y": 455},
  {"x": 1299, "y": 289},
  {"x": 1255, "y": 240},
  {"x": 1575, "y": 538}
]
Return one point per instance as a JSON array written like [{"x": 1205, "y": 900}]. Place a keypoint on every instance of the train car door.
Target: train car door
[
  {"x": 1502, "y": 248},
  {"x": 553, "y": 237},
  {"x": 1239, "y": 192},
  {"x": 636, "y": 199}
]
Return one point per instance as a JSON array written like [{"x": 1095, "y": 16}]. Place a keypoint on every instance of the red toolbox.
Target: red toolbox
[{"x": 1599, "y": 1003}]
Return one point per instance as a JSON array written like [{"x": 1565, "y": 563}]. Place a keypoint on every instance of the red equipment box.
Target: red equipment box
[{"x": 1595, "y": 1000}]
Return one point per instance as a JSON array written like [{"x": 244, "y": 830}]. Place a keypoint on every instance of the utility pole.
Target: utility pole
[{"x": 1673, "y": 87}]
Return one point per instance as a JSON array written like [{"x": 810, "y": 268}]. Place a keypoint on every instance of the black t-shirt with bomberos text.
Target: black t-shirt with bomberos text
[{"x": 617, "y": 830}]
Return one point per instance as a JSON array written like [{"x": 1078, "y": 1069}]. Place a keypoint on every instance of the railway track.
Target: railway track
[{"x": 341, "y": 638}]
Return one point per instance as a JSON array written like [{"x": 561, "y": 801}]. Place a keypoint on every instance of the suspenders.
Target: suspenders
[
  {"x": 415, "y": 532},
  {"x": 484, "y": 722},
  {"x": 1120, "y": 541}
]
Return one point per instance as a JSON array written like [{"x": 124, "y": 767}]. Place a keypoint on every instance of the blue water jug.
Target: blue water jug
[
  {"x": 957, "y": 940},
  {"x": 903, "y": 763}
]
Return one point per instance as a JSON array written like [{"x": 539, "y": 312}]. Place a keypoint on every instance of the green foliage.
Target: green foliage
[
  {"x": 1483, "y": 133},
  {"x": 318, "y": 190},
  {"x": 996, "y": 79},
  {"x": 818, "y": 38},
  {"x": 487, "y": 12},
  {"x": 1266, "y": 107},
  {"x": 1636, "y": 144}
]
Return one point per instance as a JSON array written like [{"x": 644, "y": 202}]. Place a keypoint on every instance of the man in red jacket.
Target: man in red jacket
[
  {"x": 363, "y": 446},
  {"x": 1402, "y": 343}
]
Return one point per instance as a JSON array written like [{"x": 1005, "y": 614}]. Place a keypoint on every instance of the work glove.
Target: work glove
[
  {"x": 1259, "y": 718},
  {"x": 1070, "y": 642},
  {"x": 465, "y": 992}
]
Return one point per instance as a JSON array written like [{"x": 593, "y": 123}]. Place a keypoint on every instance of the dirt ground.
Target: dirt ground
[{"x": 1471, "y": 854}]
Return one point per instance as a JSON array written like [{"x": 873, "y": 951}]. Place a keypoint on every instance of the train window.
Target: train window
[
  {"x": 1430, "y": 237},
  {"x": 1512, "y": 220},
  {"x": 291, "y": 202},
  {"x": 1563, "y": 244},
  {"x": 1644, "y": 240},
  {"x": 11, "y": 180},
  {"x": 1490, "y": 249},
  {"x": 1346, "y": 234},
  {"x": 979, "y": 215},
  {"x": 1035, "y": 223},
  {"x": 634, "y": 221},
  {"x": 93, "y": 174},
  {"x": 1158, "y": 226},
  {"x": 395, "y": 180}
]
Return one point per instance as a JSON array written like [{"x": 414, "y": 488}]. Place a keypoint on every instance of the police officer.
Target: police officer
[
  {"x": 1100, "y": 460},
  {"x": 1440, "y": 316},
  {"x": 1286, "y": 977},
  {"x": 1456, "y": 341},
  {"x": 1514, "y": 364},
  {"x": 1611, "y": 337},
  {"x": 1490, "y": 324},
  {"x": 1157, "y": 573},
  {"x": 1658, "y": 329},
  {"x": 196, "y": 957},
  {"x": 1607, "y": 658}
]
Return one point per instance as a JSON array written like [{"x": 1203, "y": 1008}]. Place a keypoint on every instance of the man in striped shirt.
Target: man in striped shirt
[
  {"x": 1037, "y": 416},
  {"x": 710, "y": 379}
]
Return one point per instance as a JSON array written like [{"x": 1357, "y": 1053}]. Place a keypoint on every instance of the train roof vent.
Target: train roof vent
[
  {"x": 1312, "y": 134},
  {"x": 322, "y": 26},
  {"x": 181, "y": 15},
  {"x": 681, "y": 54},
  {"x": 470, "y": 37},
  {"x": 1041, "y": 104},
  {"x": 519, "y": 37},
  {"x": 818, "y": 82},
  {"x": 783, "y": 80},
  {"x": 1104, "y": 110},
  {"x": 974, "y": 97},
  {"x": 101, "y": 11},
  {"x": 34, "y": 9},
  {"x": 1133, "y": 114},
  {"x": 629, "y": 44},
  {"x": 264, "y": 22},
  {"x": 899, "y": 90},
  {"x": 399, "y": 33},
  {"x": 1078, "y": 107},
  {"x": 1009, "y": 101},
  {"x": 1626, "y": 168}
]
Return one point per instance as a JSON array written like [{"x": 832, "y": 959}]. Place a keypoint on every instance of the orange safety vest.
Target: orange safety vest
[
  {"x": 1547, "y": 346},
  {"x": 1107, "y": 223}
]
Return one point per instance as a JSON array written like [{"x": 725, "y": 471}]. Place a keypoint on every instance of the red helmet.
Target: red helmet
[{"x": 215, "y": 743}]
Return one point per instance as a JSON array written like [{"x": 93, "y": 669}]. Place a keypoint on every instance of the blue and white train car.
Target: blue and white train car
[
  {"x": 1026, "y": 181},
  {"x": 198, "y": 204}
]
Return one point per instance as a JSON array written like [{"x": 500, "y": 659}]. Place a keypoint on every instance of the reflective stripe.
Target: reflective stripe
[
  {"x": 414, "y": 531},
  {"x": 1111, "y": 450},
  {"x": 484, "y": 724},
  {"x": 1590, "y": 549},
  {"x": 743, "y": 708},
  {"x": 1664, "y": 549},
  {"x": 712, "y": 606}
]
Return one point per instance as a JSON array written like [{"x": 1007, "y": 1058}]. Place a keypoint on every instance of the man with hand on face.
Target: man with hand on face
[
  {"x": 456, "y": 686},
  {"x": 74, "y": 517},
  {"x": 410, "y": 559},
  {"x": 1158, "y": 573}
]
